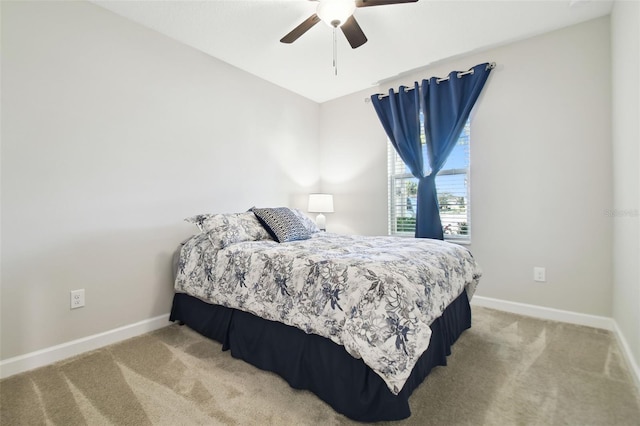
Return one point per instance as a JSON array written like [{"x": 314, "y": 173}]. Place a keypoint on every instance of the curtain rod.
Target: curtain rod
[{"x": 490, "y": 66}]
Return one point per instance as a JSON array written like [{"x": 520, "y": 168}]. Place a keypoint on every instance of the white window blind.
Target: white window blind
[{"x": 452, "y": 184}]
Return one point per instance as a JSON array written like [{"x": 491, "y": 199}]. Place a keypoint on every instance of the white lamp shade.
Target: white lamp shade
[{"x": 320, "y": 203}]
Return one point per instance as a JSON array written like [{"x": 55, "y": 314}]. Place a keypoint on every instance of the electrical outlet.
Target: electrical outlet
[
  {"x": 77, "y": 298},
  {"x": 539, "y": 274}
]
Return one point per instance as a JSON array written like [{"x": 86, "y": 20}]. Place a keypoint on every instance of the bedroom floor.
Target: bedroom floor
[{"x": 506, "y": 370}]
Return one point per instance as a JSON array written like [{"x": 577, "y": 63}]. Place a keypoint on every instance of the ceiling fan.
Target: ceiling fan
[{"x": 339, "y": 13}]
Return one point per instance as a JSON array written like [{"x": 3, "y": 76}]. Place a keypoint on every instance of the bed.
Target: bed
[{"x": 359, "y": 321}]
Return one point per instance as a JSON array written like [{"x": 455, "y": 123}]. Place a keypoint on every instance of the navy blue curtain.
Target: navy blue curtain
[
  {"x": 399, "y": 114},
  {"x": 446, "y": 105}
]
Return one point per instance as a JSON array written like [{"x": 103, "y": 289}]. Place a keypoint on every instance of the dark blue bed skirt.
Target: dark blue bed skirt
[{"x": 308, "y": 361}]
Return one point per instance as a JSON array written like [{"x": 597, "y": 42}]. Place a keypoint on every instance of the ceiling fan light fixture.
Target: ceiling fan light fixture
[{"x": 335, "y": 12}]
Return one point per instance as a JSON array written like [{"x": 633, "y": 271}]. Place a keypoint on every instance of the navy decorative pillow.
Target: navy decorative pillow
[{"x": 282, "y": 223}]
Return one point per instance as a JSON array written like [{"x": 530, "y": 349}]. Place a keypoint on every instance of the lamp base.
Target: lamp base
[{"x": 321, "y": 221}]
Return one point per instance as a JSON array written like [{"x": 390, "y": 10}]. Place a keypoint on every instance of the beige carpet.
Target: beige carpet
[{"x": 506, "y": 370}]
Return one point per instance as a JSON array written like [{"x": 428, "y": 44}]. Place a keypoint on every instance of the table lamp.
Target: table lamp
[{"x": 321, "y": 203}]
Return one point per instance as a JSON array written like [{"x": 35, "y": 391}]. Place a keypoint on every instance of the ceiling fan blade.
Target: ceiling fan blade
[
  {"x": 300, "y": 29},
  {"x": 354, "y": 34},
  {"x": 366, "y": 3}
]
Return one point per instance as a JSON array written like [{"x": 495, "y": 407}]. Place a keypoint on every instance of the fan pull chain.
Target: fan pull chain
[{"x": 335, "y": 51}]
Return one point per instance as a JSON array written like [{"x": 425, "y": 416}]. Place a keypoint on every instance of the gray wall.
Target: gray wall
[
  {"x": 625, "y": 23},
  {"x": 541, "y": 174},
  {"x": 111, "y": 135}
]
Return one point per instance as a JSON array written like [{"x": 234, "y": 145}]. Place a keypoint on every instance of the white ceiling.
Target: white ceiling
[{"x": 403, "y": 37}]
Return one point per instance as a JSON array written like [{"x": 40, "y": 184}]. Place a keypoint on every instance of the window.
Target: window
[{"x": 452, "y": 184}]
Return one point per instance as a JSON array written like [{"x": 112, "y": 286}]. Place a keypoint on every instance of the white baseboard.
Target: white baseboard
[
  {"x": 545, "y": 313},
  {"x": 626, "y": 351},
  {"x": 565, "y": 316},
  {"x": 19, "y": 364}
]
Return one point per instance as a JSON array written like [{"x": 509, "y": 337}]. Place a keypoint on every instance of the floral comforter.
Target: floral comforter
[{"x": 376, "y": 296}]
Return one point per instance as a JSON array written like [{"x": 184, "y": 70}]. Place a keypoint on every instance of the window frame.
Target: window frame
[{"x": 392, "y": 202}]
